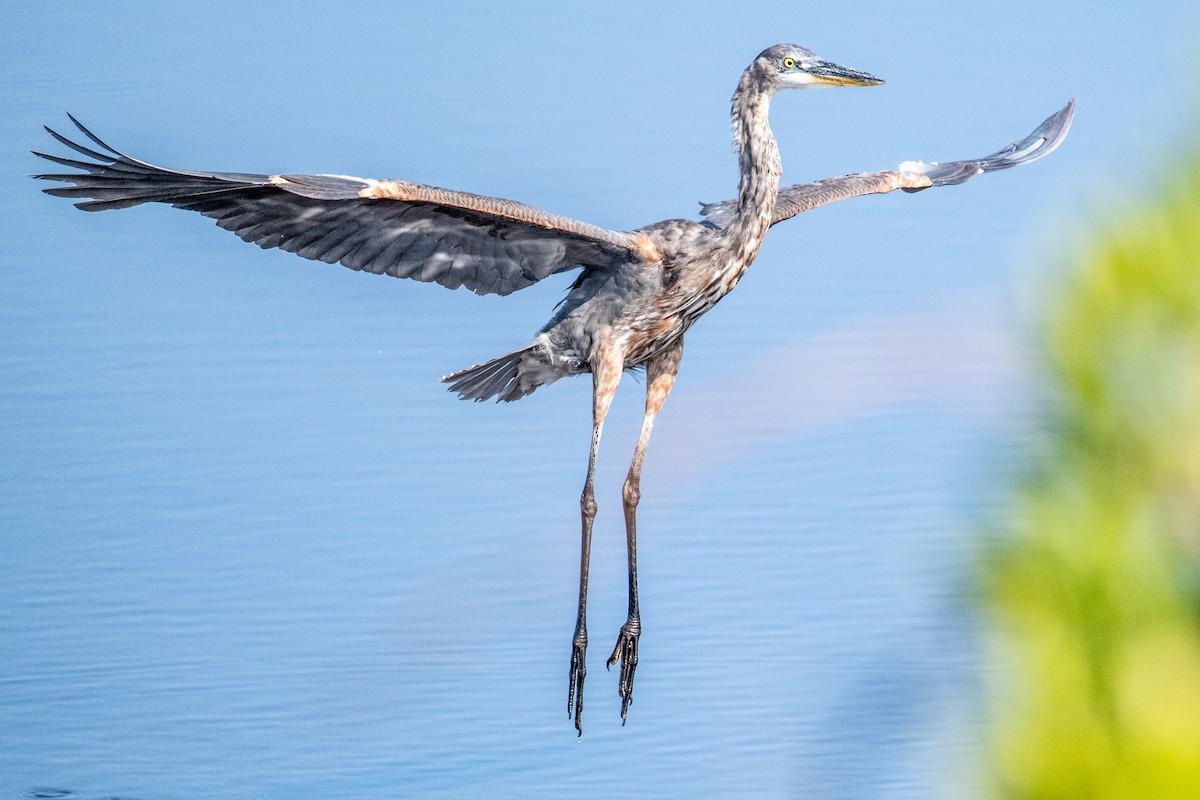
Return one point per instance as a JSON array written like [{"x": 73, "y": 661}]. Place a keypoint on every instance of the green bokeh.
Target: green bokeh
[{"x": 1094, "y": 592}]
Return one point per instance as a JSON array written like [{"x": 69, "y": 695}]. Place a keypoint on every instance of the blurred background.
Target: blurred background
[{"x": 919, "y": 519}]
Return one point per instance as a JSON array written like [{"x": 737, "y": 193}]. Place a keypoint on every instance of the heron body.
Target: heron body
[
  {"x": 635, "y": 296},
  {"x": 640, "y": 307}
]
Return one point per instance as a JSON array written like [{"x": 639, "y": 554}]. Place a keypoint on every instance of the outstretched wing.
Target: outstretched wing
[
  {"x": 911, "y": 176},
  {"x": 405, "y": 230}
]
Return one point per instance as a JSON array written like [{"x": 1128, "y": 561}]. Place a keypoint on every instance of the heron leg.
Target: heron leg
[
  {"x": 660, "y": 376},
  {"x": 606, "y": 374}
]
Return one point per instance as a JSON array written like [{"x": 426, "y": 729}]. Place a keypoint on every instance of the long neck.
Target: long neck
[{"x": 758, "y": 163}]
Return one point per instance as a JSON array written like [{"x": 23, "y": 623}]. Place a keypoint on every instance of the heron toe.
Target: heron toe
[
  {"x": 626, "y": 652},
  {"x": 578, "y": 673}
]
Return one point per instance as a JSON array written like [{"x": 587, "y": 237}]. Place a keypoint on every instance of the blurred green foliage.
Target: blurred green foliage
[{"x": 1094, "y": 592}]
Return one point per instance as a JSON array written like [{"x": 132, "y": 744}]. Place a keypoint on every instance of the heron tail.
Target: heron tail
[{"x": 508, "y": 377}]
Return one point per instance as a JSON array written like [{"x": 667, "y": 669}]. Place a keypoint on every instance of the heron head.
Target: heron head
[{"x": 790, "y": 66}]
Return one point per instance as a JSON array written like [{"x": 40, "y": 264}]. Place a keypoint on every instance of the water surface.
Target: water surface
[{"x": 251, "y": 547}]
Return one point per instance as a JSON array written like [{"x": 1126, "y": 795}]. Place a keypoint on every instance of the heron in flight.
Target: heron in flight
[{"x": 634, "y": 297}]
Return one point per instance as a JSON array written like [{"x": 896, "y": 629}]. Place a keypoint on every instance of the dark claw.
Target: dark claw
[
  {"x": 578, "y": 673},
  {"x": 626, "y": 652}
]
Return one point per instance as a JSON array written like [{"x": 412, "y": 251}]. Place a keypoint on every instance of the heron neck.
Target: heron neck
[{"x": 759, "y": 167}]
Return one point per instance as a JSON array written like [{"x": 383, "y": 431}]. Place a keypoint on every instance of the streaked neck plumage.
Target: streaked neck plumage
[{"x": 759, "y": 167}]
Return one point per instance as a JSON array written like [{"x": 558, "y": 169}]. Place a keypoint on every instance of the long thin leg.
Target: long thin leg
[
  {"x": 660, "y": 376},
  {"x": 606, "y": 374}
]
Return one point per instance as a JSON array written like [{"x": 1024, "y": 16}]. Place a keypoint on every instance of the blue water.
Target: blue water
[{"x": 251, "y": 547}]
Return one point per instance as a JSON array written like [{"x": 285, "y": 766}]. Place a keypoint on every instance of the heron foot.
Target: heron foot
[
  {"x": 626, "y": 652},
  {"x": 578, "y": 673}
]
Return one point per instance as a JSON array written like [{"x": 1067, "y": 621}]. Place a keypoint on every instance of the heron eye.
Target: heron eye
[{"x": 789, "y": 62}]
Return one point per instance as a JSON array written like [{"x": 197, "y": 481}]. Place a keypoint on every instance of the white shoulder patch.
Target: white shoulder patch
[
  {"x": 919, "y": 167},
  {"x": 367, "y": 181}
]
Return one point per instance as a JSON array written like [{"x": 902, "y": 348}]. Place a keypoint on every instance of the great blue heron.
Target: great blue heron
[{"x": 636, "y": 294}]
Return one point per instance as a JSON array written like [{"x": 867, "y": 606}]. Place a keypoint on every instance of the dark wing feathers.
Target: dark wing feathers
[
  {"x": 405, "y": 230},
  {"x": 910, "y": 176},
  {"x": 1044, "y": 140}
]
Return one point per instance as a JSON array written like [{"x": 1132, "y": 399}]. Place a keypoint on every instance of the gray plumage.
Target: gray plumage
[
  {"x": 802, "y": 197},
  {"x": 636, "y": 293},
  {"x": 405, "y": 230}
]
